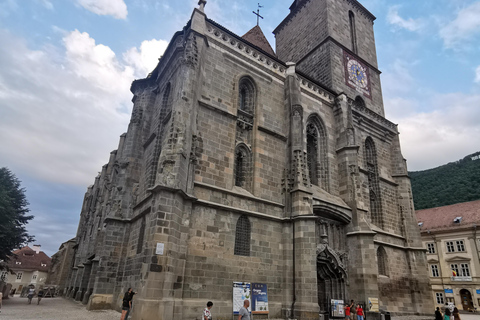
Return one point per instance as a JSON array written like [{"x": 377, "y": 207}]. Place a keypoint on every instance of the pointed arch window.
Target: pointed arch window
[
  {"x": 373, "y": 182},
  {"x": 242, "y": 167},
  {"x": 246, "y": 95},
  {"x": 242, "y": 236},
  {"x": 382, "y": 262},
  {"x": 353, "y": 32},
  {"x": 141, "y": 235},
  {"x": 166, "y": 106},
  {"x": 317, "y": 158}
]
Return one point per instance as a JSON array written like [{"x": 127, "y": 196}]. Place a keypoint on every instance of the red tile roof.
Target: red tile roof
[
  {"x": 256, "y": 37},
  {"x": 30, "y": 260},
  {"x": 441, "y": 218}
]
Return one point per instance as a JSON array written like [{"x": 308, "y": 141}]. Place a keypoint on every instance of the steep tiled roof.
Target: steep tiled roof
[
  {"x": 29, "y": 260},
  {"x": 442, "y": 218},
  {"x": 256, "y": 37}
]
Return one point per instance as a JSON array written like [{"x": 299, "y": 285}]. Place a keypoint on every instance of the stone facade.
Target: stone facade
[
  {"x": 60, "y": 266},
  {"x": 244, "y": 166}
]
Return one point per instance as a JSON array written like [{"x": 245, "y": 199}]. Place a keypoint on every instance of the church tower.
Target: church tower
[{"x": 332, "y": 42}]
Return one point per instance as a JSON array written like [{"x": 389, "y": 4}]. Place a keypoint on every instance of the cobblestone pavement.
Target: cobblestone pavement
[{"x": 17, "y": 308}]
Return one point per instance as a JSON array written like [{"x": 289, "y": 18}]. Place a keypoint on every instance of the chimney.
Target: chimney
[{"x": 36, "y": 248}]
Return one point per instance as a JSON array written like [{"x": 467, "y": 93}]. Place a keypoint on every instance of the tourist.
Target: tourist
[
  {"x": 131, "y": 304},
  {"x": 359, "y": 312},
  {"x": 447, "y": 314},
  {"x": 243, "y": 314},
  {"x": 40, "y": 295},
  {"x": 126, "y": 303},
  {"x": 207, "y": 315},
  {"x": 456, "y": 314},
  {"x": 353, "y": 311},
  {"x": 347, "y": 312},
  {"x": 30, "y": 294},
  {"x": 438, "y": 314}
]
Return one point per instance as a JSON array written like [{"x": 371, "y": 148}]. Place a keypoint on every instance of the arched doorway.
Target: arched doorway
[{"x": 466, "y": 298}]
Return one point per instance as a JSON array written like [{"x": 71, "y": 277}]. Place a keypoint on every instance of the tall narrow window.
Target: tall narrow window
[
  {"x": 166, "y": 107},
  {"x": 373, "y": 183},
  {"x": 141, "y": 235},
  {"x": 317, "y": 155},
  {"x": 353, "y": 32},
  {"x": 246, "y": 95},
  {"x": 242, "y": 236},
  {"x": 382, "y": 261},
  {"x": 242, "y": 167},
  {"x": 312, "y": 153}
]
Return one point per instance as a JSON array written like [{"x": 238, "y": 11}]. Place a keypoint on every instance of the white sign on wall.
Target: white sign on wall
[{"x": 160, "y": 247}]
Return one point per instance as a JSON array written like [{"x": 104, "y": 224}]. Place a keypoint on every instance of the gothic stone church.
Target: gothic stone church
[{"x": 241, "y": 163}]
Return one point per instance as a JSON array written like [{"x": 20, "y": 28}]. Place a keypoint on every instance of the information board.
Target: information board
[
  {"x": 337, "y": 308},
  {"x": 373, "y": 305},
  {"x": 241, "y": 292},
  {"x": 259, "y": 298}
]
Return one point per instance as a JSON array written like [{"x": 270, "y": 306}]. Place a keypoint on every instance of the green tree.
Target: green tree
[{"x": 13, "y": 215}]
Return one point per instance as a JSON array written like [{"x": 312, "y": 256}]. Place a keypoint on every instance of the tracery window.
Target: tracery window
[
  {"x": 166, "y": 105},
  {"x": 141, "y": 235},
  {"x": 373, "y": 184},
  {"x": 242, "y": 236},
  {"x": 317, "y": 159},
  {"x": 246, "y": 95},
  {"x": 382, "y": 261},
  {"x": 242, "y": 167}
]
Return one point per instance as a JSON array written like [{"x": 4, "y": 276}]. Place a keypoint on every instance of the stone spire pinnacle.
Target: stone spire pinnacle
[{"x": 202, "y": 4}]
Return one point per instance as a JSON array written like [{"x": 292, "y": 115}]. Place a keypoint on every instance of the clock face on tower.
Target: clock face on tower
[{"x": 356, "y": 75}]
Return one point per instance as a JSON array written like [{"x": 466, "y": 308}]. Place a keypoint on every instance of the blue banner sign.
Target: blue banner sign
[
  {"x": 449, "y": 290},
  {"x": 478, "y": 291}
]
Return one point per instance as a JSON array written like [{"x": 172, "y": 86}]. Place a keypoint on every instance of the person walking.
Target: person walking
[
  {"x": 30, "y": 294},
  {"x": 40, "y": 295},
  {"x": 438, "y": 314},
  {"x": 456, "y": 314},
  {"x": 243, "y": 314},
  {"x": 207, "y": 314},
  {"x": 131, "y": 304},
  {"x": 126, "y": 303},
  {"x": 447, "y": 315},
  {"x": 359, "y": 312}
]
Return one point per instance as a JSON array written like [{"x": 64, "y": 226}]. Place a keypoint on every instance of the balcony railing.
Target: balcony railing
[{"x": 462, "y": 278}]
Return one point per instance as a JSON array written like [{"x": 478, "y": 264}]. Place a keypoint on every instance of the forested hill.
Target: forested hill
[{"x": 452, "y": 183}]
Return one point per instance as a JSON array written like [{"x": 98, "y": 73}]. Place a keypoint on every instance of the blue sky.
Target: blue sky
[{"x": 66, "y": 68}]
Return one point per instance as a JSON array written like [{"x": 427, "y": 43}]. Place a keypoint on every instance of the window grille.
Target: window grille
[
  {"x": 246, "y": 95},
  {"x": 431, "y": 247},
  {"x": 312, "y": 153},
  {"x": 382, "y": 261},
  {"x": 450, "y": 246},
  {"x": 460, "y": 245},
  {"x": 19, "y": 275},
  {"x": 242, "y": 236},
  {"x": 455, "y": 271},
  {"x": 434, "y": 269},
  {"x": 439, "y": 296},
  {"x": 465, "y": 270}
]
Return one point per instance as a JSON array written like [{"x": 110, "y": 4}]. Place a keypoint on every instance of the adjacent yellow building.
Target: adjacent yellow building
[{"x": 451, "y": 236}]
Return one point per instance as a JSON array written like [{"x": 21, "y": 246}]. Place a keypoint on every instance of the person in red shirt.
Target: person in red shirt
[
  {"x": 347, "y": 312},
  {"x": 359, "y": 312}
]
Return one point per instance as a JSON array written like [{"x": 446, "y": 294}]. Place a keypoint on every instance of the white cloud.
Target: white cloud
[
  {"x": 115, "y": 8},
  {"x": 463, "y": 27},
  {"x": 47, "y": 4},
  {"x": 477, "y": 75},
  {"x": 394, "y": 19},
  {"x": 145, "y": 59},
  {"x": 445, "y": 134},
  {"x": 62, "y": 109}
]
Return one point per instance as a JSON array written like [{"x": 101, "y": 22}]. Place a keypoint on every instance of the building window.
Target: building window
[
  {"x": 431, "y": 247},
  {"x": 3, "y": 276},
  {"x": 317, "y": 154},
  {"x": 435, "y": 272},
  {"x": 242, "y": 236},
  {"x": 439, "y": 296},
  {"x": 246, "y": 95},
  {"x": 353, "y": 35},
  {"x": 34, "y": 277},
  {"x": 450, "y": 246},
  {"x": 166, "y": 105},
  {"x": 242, "y": 167},
  {"x": 460, "y": 245},
  {"x": 373, "y": 182},
  {"x": 455, "y": 271},
  {"x": 465, "y": 270},
  {"x": 312, "y": 153},
  {"x": 382, "y": 261},
  {"x": 19, "y": 275},
  {"x": 141, "y": 235}
]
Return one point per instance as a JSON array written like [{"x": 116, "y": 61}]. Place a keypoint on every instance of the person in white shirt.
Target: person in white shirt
[{"x": 207, "y": 315}]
